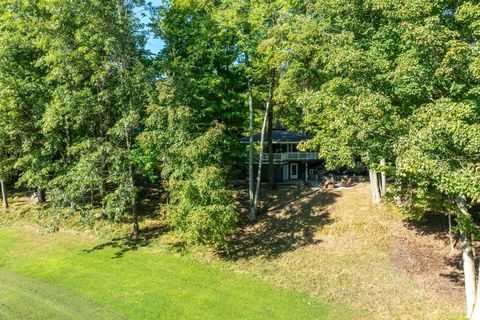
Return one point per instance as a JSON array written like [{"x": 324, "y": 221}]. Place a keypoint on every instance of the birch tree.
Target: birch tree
[{"x": 254, "y": 22}]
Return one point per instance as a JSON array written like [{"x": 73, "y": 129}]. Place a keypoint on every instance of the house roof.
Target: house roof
[{"x": 279, "y": 135}]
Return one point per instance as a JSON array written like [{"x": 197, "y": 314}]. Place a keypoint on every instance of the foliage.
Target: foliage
[
  {"x": 74, "y": 84},
  {"x": 192, "y": 128},
  {"x": 200, "y": 207},
  {"x": 368, "y": 80}
]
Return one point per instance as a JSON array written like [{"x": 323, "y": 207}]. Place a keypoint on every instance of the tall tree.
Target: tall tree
[
  {"x": 438, "y": 160},
  {"x": 23, "y": 93},
  {"x": 197, "y": 119},
  {"x": 73, "y": 79},
  {"x": 253, "y": 22},
  {"x": 96, "y": 72}
]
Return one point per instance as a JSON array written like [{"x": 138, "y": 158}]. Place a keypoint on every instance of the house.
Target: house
[{"x": 289, "y": 163}]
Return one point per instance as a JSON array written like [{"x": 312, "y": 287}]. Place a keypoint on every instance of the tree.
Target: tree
[
  {"x": 438, "y": 160},
  {"x": 23, "y": 93},
  {"x": 440, "y": 156},
  {"x": 357, "y": 71},
  {"x": 253, "y": 22},
  {"x": 74, "y": 84},
  {"x": 193, "y": 126}
]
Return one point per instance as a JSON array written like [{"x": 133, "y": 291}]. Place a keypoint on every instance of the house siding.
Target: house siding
[{"x": 277, "y": 172}]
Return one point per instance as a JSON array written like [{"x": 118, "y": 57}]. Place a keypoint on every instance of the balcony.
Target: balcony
[{"x": 288, "y": 156}]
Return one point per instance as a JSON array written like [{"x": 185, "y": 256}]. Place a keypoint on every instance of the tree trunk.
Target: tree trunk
[
  {"x": 476, "y": 307},
  {"x": 92, "y": 197},
  {"x": 271, "y": 177},
  {"x": 250, "y": 150},
  {"x": 4, "y": 194},
  {"x": 469, "y": 271},
  {"x": 253, "y": 213},
  {"x": 41, "y": 198},
  {"x": 383, "y": 179},
  {"x": 374, "y": 186},
  {"x": 136, "y": 227},
  {"x": 271, "y": 181},
  {"x": 468, "y": 263}
]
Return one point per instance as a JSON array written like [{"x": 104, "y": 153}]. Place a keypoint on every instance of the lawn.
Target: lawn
[
  {"x": 322, "y": 255},
  {"x": 69, "y": 276}
]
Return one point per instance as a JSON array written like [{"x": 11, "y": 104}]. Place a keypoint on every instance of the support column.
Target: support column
[{"x": 306, "y": 171}]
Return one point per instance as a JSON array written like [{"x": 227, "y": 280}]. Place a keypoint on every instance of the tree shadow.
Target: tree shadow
[
  {"x": 455, "y": 263},
  {"x": 456, "y": 274},
  {"x": 285, "y": 228},
  {"x": 435, "y": 224},
  {"x": 270, "y": 200},
  {"x": 130, "y": 242}
]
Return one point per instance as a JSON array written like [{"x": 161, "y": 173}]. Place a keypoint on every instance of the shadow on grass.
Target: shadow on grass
[
  {"x": 436, "y": 224},
  {"x": 431, "y": 224},
  {"x": 285, "y": 228},
  {"x": 130, "y": 242},
  {"x": 456, "y": 275}
]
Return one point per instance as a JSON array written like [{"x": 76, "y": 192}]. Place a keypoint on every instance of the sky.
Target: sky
[{"x": 153, "y": 45}]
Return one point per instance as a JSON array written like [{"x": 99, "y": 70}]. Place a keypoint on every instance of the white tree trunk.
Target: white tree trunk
[
  {"x": 476, "y": 307},
  {"x": 469, "y": 272},
  {"x": 250, "y": 153},
  {"x": 4, "y": 194},
  {"x": 383, "y": 178},
  {"x": 271, "y": 169},
  {"x": 374, "y": 186},
  {"x": 468, "y": 264},
  {"x": 253, "y": 212}
]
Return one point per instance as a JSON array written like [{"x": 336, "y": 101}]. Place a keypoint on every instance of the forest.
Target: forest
[{"x": 89, "y": 117}]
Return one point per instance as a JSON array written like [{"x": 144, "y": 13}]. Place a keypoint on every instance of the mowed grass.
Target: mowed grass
[{"x": 57, "y": 276}]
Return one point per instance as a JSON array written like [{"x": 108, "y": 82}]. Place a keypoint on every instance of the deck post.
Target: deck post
[{"x": 306, "y": 171}]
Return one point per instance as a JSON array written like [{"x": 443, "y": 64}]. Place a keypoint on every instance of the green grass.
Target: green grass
[{"x": 53, "y": 277}]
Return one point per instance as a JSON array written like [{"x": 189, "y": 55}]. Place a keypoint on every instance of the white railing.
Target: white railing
[
  {"x": 289, "y": 156},
  {"x": 299, "y": 156}
]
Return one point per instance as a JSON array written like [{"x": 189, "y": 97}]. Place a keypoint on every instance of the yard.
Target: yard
[
  {"x": 312, "y": 255},
  {"x": 65, "y": 276},
  {"x": 336, "y": 245}
]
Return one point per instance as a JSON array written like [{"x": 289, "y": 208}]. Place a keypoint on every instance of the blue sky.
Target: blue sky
[{"x": 153, "y": 44}]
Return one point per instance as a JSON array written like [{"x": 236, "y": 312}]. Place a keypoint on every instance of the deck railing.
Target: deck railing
[{"x": 289, "y": 156}]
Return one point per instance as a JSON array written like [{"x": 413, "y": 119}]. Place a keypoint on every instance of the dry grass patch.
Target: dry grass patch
[{"x": 336, "y": 245}]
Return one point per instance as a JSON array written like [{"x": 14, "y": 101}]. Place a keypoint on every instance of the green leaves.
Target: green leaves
[
  {"x": 389, "y": 79},
  {"x": 201, "y": 208},
  {"x": 74, "y": 84},
  {"x": 442, "y": 147},
  {"x": 191, "y": 160}
]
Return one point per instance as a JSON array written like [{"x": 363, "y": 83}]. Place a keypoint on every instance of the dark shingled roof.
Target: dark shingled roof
[{"x": 279, "y": 135}]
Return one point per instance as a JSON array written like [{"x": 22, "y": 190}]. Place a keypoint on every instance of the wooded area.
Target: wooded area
[{"x": 87, "y": 113}]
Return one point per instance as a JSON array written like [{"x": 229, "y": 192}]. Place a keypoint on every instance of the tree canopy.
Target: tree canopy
[{"x": 87, "y": 115}]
